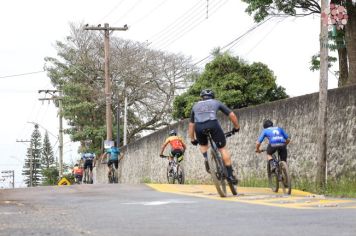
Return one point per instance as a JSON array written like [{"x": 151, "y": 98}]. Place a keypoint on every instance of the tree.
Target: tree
[
  {"x": 32, "y": 167},
  {"x": 149, "y": 80},
  {"x": 235, "y": 82},
  {"x": 47, "y": 158},
  {"x": 50, "y": 175},
  {"x": 347, "y": 56},
  {"x": 50, "y": 172}
]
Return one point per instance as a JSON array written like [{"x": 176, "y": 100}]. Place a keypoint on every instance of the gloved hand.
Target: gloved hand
[
  {"x": 162, "y": 156},
  {"x": 194, "y": 142}
]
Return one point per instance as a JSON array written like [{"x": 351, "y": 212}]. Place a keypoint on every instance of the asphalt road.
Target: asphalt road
[{"x": 144, "y": 210}]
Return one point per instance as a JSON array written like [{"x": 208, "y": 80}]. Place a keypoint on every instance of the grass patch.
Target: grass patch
[{"x": 253, "y": 182}]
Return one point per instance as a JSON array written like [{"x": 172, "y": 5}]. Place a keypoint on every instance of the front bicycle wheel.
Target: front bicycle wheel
[
  {"x": 233, "y": 188},
  {"x": 217, "y": 173},
  {"x": 170, "y": 175},
  {"x": 286, "y": 179},
  {"x": 180, "y": 176},
  {"x": 272, "y": 178}
]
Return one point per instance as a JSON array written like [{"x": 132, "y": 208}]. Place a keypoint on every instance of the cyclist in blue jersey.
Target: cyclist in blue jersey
[
  {"x": 112, "y": 154},
  {"x": 204, "y": 116},
  {"x": 278, "y": 141}
]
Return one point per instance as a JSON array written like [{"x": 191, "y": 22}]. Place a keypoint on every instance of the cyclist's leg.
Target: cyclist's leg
[
  {"x": 220, "y": 140},
  {"x": 203, "y": 143},
  {"x": 270, "y": 150},
  {"x": 282, "y": 152},
  {"x": 109, "y": 166},
  {"x": 90, "y": 165}
]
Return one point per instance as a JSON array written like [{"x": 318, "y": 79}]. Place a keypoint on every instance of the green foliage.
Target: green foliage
[
  {"x": 235, "y": 83},
  {"x": 47, "y": 158},
  {"x": 315, "y": 62},
  {"x": 32, "y": 167},
  {"x": 263, "y": 8},
  {"x": 50, "y": 176}
]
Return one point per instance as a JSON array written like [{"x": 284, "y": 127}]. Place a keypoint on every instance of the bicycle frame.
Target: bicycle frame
[
  {"x": 280, "y": 174},
  {"x": 174, "y": 170},
  {"x": 218, "y": 170}
]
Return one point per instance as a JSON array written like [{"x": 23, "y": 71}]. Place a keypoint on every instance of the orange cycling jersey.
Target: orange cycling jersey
[
  {"x": 175, "y": 142},
  {"x": 77, "y": 170}
]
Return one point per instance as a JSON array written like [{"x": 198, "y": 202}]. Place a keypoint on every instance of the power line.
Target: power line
[
  {"x": 112, "y": 10},
  {"x": 28, "y": 73},
  {"x": 186, "y": 30},
  {"x": 128, "y": 11},
  {"x": 233, "y": 42},
  {"x": 150, "y": 12},
  {"x": 171, "y": 26}
]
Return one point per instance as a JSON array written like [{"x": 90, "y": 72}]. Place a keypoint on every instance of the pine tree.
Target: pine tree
[
  {"x": 33, "y": 157},
  {"x": 49, "y": 169},
  {"x": 47, "y": 159}
]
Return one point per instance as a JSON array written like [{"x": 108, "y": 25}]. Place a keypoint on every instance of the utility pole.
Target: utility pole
[
  {"x": 107, "y": 30},
  {"x": 31, "y": 157},
  {"x": 59, "y": 99},
  {"x": 323, "y": 91}
]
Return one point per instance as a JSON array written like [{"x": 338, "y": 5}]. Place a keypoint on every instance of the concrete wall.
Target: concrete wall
[{"x": 297, "y": 115}]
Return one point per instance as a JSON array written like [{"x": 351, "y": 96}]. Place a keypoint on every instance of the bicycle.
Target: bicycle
[
  {"x": 218, "y": 170},
  {"x": 112, "y": 174},
  {"x": 87, "y": 176},
  {"x": 279, "y": 174},
  {"x": 174, "y": 170},
  {"x": 77, "y": 179}
]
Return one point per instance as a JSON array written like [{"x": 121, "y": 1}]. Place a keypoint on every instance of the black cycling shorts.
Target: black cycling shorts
[
  {"x": 178, "y": 152},
  {"x": 88, "y": 163},
  {"x": 282, "y": 151},
  {"x": 116, "y": 162},
  {"x": 215, "y": 130}
]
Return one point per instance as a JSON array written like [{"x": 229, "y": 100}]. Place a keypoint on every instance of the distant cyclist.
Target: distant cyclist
[
  {"x": 112, "y": 154},
  {"x": 278, "y": 141},
  {"x": 78, "y": 173},
  {"x": 88, "y": 158},
  {"x": 177, "y": 146},
  {"x": 204, "y": 116}
]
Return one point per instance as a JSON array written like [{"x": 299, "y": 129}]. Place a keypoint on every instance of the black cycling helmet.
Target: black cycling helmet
[
  {"x": 207, "y": 93},
  {"x": 267, "y": 123},
  {"x": 173, "y": 132}
]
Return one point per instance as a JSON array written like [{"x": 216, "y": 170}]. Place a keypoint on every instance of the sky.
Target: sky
[{"x": 189, "y": 27}]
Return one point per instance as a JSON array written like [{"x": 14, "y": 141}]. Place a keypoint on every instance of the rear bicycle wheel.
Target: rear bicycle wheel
[
  {"x": 286, "y": 179},
  {"x": 217, "y": 173},
  {"x": 170, "y": 175},
  {"x": 272, "y": 179},
  {"x": 180, "y": 174}
]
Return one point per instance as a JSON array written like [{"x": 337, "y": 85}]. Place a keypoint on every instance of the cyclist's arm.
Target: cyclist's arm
[
  {"x": 227, "y": 111},
  {"x": 259, "y": 141},
  {"x": 191, "y": 128},
  {"x": 163, "y": 147},
  {"x": 234, "y": 120},
  {"x": 285, "y": 135}
]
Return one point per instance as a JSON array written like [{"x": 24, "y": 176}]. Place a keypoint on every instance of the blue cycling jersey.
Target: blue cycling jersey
[
  {"x": 114, "y": 153},
  {"x": 275, "y": 135},
  {"x": 88, "y": 156}
]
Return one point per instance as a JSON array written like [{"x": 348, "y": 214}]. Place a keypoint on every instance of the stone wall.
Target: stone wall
[{"x": 298, "y": 116}]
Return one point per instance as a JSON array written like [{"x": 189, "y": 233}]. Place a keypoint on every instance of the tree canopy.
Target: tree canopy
[
  {"x": 345, "y": 46},
  {"x": 149, "y": 80},
  {"x": 234, "y": 82}
]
